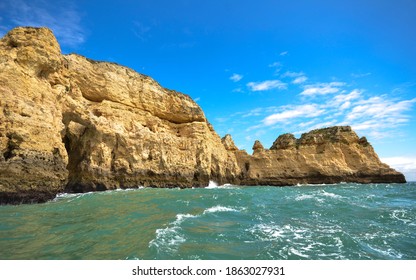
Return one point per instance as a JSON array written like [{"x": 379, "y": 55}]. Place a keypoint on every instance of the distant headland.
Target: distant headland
[{"x": 70, "y": 124}]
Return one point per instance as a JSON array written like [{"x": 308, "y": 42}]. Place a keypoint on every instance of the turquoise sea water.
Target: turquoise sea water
[{"x": 343, "y": 221}]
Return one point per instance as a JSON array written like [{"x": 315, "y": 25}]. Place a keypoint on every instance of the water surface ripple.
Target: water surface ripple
[{"x": 343, "y": 221}]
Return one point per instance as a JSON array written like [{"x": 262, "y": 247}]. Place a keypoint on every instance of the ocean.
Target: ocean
[{"x": 318, "y": 222}]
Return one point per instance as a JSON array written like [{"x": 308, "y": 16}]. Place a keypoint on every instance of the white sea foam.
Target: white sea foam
[
  {"x": 304, "y": 196},
  {"x": 212, "y": 185},
  {"x": 168, "y": 239},
  {"x": 67, "y": 195},
  {"x": 296, "y": 252},
  {"x": 266, "y": 232},
  {"x": 329, "y": 194},
  {"x": 389, "y": 252},
  {"x": 308, "y": 196},
  {"x": 400, "y": 215},
  {"x": 220, "y": 208},
  {"x": 127, "y": 190},
  {"x": 181, "y": 217},
  {"x": 70, "y": 196}
]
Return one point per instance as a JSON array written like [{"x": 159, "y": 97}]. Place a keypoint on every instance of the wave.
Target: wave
[
  {"x": 400, "y": 215},
  {"x": 329, "y": 194},
  {"x": 60, "y": 196},
  {"x": 128, "y": 189},
  {"x": 168, "y": 239},
  {"x": 70, "y": 196},
  {"x": 220, "y": 208},
  {"x": 389, "y": 253},
  {"x": 214, "y": 185},
  {"x": 308, "y": 196}
]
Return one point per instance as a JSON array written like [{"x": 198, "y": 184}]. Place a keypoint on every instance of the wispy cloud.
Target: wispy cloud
[
  {"x": 343, "y": 101},
  {"x": 267, "y": 85},
  {"x": 360, "y": 75},
  {"x": 299, "y": 77},
  {"x": 376, "y": 116},
  {"x": 140, "y": 30},
  {"x": 292, "y": 74},
  {"x": 284, "y": 53},
  {"x": 309, "y": 110},
  {"x": 322, "y": 88},
  {"x": 276, "y": 64},
  {"x": 236, "y": 77},
  {"x": 300, "y": 80},
  {"x": 64, "y": 19},
  {"x": 380, "y": 107}
]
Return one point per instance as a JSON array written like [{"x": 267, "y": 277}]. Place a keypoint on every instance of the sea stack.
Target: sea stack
[{"x": 71, "y": 124}]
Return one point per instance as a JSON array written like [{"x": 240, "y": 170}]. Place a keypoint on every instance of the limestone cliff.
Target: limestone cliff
[
  {"x": 328, "y": 155},
  {"x": 71, "y": 124}
]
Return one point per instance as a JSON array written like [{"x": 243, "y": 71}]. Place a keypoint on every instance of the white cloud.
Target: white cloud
[
  {"x": 360, "y": 75},
  {"x": 301, "y": 111},
  {"x": 140, "y": 30},
  {"x": 342, "y": 98},
  {"x": 284, "y": 53},
  {"x": 345, "y": 105},
  {"x": 236, "y": 77},
  {"x": 378, "y": 116},
  {"x": 254, "y": 112},
  {"x": 292, "y": 74},
  {"x": 406, "y": 165},
  {"x": 379, "y": 107},
  {"x": 300, "y": 80},
  {"x": 344, "y": 101},
  {"x": 322, "y": 88},
  {"x": 275, "y": 64},
  {"x": 266, "y": 85},
  {"x": 299, "y": 77},
  {"x": 63, "y": 19}
]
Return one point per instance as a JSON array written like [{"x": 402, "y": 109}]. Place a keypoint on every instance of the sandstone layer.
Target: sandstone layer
[{"x": 71, "y": 124}]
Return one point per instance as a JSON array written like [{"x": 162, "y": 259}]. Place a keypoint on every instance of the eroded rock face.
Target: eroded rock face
[
  {"x": 329, "y": 155},
  {"x": 71, "y": 124},
  {"x": 33, "y": 158}
]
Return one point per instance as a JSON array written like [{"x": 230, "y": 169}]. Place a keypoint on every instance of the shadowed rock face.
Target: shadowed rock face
[{"x": 71, "y": 124}]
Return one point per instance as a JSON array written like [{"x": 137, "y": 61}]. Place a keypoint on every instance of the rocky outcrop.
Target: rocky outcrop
[
  {"x": 71, "y": 124},
  {"x": 329, "y": 155},
  {"x": 257, "y": 147}
]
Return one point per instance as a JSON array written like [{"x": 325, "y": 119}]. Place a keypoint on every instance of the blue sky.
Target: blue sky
[{"x": 259, "y": 68}]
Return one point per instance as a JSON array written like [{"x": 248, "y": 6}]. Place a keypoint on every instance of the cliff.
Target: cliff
[
  {"x": 328, "y": 155},
  {"x": 71, "y": 124}
]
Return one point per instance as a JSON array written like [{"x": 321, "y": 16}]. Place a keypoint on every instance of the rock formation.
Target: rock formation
[
  {"x": 328, "y": 155},
  {"x": 71, "y": 124}
]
